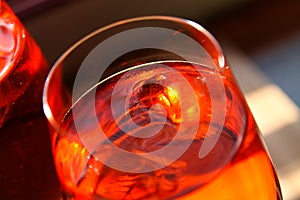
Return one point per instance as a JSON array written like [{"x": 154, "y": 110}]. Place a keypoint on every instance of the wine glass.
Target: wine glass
[{"x": 148, "y": 108}]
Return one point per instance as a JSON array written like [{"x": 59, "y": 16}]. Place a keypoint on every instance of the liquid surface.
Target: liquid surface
[{"x": 141, "y": 111}]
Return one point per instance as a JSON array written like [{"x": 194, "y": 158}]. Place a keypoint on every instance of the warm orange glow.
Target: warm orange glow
[
  {"x": 171, "y": 100},
  {"x": 72, "y": 159},
  {"x": 244, "y": 180},
  {"x": 173, "y": 95}
]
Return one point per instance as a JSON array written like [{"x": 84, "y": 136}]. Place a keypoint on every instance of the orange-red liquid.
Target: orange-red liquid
[{"x": 237, "y": 167}]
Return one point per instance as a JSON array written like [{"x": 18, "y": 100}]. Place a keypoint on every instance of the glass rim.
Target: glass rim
[
  {"x": 19, "y": 37},
  {"x": 220, "y": 59}
]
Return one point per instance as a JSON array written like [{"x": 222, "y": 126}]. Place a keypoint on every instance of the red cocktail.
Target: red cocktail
[{"x": 148, "y": 108}]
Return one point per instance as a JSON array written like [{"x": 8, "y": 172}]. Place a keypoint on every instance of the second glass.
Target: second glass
[
  {"x": 25, "y": 153},
  {"x": 147, "y": 108},
  {"x": 23, "y": 68}
]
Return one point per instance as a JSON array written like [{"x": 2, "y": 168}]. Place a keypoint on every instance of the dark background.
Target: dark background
[{"x": 249, "y": 24}]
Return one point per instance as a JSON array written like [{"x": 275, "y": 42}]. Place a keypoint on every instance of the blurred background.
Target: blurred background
[{"x": 261, "y": 39}]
